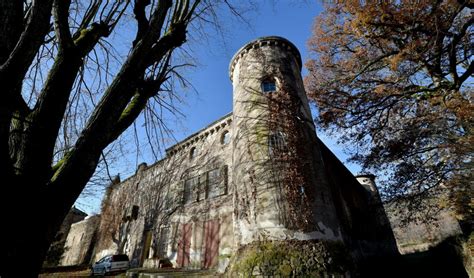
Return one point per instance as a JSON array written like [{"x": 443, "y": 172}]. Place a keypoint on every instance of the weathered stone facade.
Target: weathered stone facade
[
  {"x": 56, "y": 250},
  {"x": 80, "y": 242},
  {"x": 257, "y": 174},
  {"x": 176, "y": 206}
]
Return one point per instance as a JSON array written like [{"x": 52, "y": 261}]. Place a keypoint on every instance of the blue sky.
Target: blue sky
[
  {"x": 289, "y": 19},
  {"x": 211, "y": 96},
  {"x": 292, "y": 20}
]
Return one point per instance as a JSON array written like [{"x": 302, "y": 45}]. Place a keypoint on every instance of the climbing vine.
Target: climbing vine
[{"x": 294, "y": 158}]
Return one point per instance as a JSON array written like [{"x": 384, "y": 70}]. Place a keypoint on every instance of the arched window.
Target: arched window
[
  {"x": 192, "y": 153},
  {"x": 225, "y": 137},
  {"x": 268, "y": 85}
]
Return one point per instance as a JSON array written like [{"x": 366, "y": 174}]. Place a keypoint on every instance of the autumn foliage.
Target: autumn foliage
[
  {"x": 393, "y": 79},
  {"x": 293, "y": 157}
]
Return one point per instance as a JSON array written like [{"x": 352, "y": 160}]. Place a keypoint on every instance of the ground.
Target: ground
[{"x": 134, "y": 272}]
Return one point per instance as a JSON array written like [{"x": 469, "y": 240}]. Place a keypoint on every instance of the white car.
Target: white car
[{"x": 110, "y": 264}]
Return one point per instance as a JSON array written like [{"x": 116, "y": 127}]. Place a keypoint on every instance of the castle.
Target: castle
[{"x": 258, "y": 173}]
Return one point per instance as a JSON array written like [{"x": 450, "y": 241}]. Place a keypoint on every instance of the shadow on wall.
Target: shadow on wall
[
  {"x": 144, "y": 215},
  {"x": 443, "y": 260}
]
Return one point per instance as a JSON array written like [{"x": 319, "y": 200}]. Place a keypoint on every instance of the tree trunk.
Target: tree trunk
[
  {"x": 35, "y": 196},
  {"x": 32, "y": 225}
]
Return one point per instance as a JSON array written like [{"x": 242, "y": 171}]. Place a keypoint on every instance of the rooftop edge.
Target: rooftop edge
[{"x": 270, "y": 40}]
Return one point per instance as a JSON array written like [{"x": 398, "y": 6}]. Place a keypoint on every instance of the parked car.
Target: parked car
[{"x": 111, "y": 264}]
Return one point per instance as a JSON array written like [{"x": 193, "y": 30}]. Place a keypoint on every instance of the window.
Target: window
[
  {"x": 169, "y": 201},
  {"x": 225, "y": 138},
  {"x": 130, "y": 213},
  {"x": 135, "y": 212},
  {"x": 189, "y": 190},
  {"x": 201, "y": 190},
  {"x": 163, "y": 242},
  {"x": 213, "y": 179},
  {"x": 277, "y": 143},
  {"x": 217, "y": 182},
  {"x": 268, "y": 86},
  {"x": 301, "y": 190},
  {"x": 192, "y": 153}
]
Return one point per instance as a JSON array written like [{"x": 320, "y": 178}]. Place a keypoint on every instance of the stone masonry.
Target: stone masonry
[
  {"x": 258, "y": 173},
  {"x": 80, "y": 242}
]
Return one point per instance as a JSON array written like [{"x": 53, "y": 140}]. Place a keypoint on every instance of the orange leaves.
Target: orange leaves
[
  {"x": 386, "y": 73},
  {"x": 380, "y": 89}
]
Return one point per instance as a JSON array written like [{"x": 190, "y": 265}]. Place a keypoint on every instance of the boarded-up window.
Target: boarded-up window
[
  {"x": 213, "y": 179},
  {"x": 163, "y": 242},
  {"x": 202, "y": 187},
  {"x": 169, "y": 200},
  {"x": 225, "y": 137},
  {"x": 177, "y": 193},
  {"x": 190, "y": 190},
  {"x": 224, "y": 180},
  {"x": 217, "y": 182},
  {"x": 192, "y": 153},
  {"x": 147, "y": 235}
]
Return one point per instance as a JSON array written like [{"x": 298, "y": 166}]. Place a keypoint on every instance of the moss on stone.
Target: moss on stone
[{"x": 291, "y": 258}]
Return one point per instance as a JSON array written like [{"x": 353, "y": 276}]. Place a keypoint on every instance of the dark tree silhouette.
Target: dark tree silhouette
[{"x": 47, "y": 47}]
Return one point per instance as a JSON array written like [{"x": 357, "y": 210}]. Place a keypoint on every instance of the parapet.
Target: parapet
[{"x": 263, "y": 41}]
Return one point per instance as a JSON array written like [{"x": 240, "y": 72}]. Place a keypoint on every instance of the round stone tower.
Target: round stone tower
[{"x": 281, "y": 187}]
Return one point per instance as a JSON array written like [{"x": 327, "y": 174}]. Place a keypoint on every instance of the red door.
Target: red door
[
  {"x": 211, "y": 247},
  {"x": 184, "y": 244}
]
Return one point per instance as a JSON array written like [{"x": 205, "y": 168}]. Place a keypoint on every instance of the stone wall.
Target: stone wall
[
  {"x": 56, "y": 250},
  {"x": 427, "y": 229},
  {"x": 257, "y": 174},
  {"x": 365, "y": 225},
  {"x": 292, "y": 258},
  {"x": 191, "y": 186},
  {"x": 275, "y": 196},
  {"x": 80, "y": 241}
]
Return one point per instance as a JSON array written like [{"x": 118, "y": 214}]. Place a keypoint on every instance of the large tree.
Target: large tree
[
  {"x": 52, "y": 52},
  {"x": 393, "y": 79}
]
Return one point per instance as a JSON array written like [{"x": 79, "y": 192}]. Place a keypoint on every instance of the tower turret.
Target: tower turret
[
  {"x": 281, "y": 189},
  {"x": 368, "y": 182}
]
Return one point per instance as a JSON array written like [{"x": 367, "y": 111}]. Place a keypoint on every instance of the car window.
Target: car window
[
  {"x": 104, "y": 259},
  {"x": 120, "y": 258}
]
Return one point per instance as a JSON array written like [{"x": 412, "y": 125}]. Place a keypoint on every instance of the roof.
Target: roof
[{"x": 192, "y": 136}]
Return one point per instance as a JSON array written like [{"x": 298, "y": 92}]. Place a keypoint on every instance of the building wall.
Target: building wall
[
  {"x": 80, "y": 241},
  {"x": 56, "y": 250},
  {"x": 364, "y": 223},
  {"x": 157, "y": 192},
  {"x": 169, "y": 210},
  {"x": 265, "y": 199}
]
